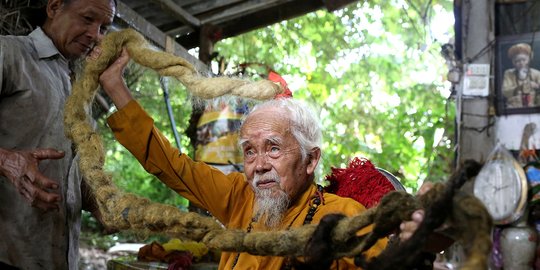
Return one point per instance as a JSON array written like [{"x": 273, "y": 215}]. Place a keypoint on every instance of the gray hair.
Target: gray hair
[{"x": 305, "y": 125}]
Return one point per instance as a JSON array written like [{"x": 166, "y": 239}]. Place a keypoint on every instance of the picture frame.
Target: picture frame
[{"x": 517, "y": 92}]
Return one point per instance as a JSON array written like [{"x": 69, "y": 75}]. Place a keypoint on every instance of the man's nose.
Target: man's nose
[{"x": 261, "y": 163}]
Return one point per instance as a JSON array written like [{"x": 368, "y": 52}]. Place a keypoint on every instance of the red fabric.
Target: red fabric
[
  {"x": 360, "y": 181},
  {"x": 154, "y": 252},
  {"x": 180, "y": 260},
  {"x": 273, "y": 76}
]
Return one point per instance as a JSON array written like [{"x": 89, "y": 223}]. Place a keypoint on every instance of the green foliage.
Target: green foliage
[
  {"x": 127, "y": 173},
  {"x": 365, "y": 67}
]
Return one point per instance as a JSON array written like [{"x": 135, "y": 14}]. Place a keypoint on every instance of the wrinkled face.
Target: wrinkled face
[
  {"x": 272, "y": 158},
  {"x": 76, "y": 27},
  {"x": 521, "y": 61}
]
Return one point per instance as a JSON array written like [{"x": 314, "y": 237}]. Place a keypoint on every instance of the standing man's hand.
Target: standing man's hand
[{"x": 21, "y": 168}]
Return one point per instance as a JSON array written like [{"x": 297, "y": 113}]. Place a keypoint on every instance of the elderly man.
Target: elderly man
[
  {"x": 521, "y": 83},
  {"x": 281, "y": 144},
  {"x": 40, "y": 187}
]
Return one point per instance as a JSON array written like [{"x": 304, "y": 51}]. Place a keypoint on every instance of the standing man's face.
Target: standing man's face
[
  {"x": 77, "y": 26},
  {"x": 521, "y": 61}
]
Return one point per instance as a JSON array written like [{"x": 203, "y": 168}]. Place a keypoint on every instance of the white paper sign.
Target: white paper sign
[{"x": 476, "y": 80}]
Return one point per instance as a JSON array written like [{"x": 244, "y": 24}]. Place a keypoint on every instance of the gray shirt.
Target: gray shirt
[{"x": 34, "y": 79}]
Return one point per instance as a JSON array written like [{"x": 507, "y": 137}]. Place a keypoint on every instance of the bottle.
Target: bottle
[{"x": 518, "y": 245}]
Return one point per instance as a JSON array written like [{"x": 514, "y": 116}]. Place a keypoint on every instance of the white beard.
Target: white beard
[
  {"x": 522, "y": 73},
  {"x": 270, "y": 204}
]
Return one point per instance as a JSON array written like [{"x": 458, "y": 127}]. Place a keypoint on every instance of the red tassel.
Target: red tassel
[
  {"x": 360, "y": 181},
  {"x": 275, "y": 77}
]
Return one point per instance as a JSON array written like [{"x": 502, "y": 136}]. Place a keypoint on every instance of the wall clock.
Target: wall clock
[{"x": 501, "y": 185}]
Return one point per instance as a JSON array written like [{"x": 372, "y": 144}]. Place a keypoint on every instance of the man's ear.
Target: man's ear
[
  {"x": 313, "y": 159},
  {"x": 53, "y": 7}
]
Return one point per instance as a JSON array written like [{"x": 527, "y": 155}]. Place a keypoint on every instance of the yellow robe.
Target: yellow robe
[{"x": 229, "y": 198}]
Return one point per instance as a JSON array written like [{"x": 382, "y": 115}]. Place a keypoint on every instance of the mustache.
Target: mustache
[{"x": 268, "y": 176}]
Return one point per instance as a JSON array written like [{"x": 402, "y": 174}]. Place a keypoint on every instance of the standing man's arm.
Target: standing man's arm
[{"x": 20, "y": 167}]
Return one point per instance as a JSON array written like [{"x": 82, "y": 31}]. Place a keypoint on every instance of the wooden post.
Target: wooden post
[
  {"x": 476, "y": 136},
  {"x": 209, "y": 34}
]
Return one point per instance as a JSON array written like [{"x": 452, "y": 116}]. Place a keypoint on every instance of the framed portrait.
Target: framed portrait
[{"x": 517, "y": 80}]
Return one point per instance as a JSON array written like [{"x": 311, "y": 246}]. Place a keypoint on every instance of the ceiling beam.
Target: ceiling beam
[
  {"x": 183, "y": 3},
  {"x": 209, "y": 5},
  {"x": 178, "y": 13},
  {"x": 241, "y": 10},
  {"x": 232, "y": 12},
  {"x": 129, "y": 17},
  {"x": 333, "y": 5},
  {"x": 256, "y": 20}
]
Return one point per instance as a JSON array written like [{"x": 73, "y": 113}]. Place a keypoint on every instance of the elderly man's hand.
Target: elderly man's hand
[
  {"x": 407, "y": 228},
  {"x": 111, "y": 78},
  {"x": 436, "y": 241},
  {"x": 21, "y": 168}
]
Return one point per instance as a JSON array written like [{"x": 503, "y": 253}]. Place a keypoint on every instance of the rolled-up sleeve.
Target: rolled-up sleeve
[{"x": 198, "y": 182}]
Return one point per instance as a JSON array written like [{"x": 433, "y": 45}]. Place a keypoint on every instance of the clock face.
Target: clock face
[{"x": 502, "y": 189}]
